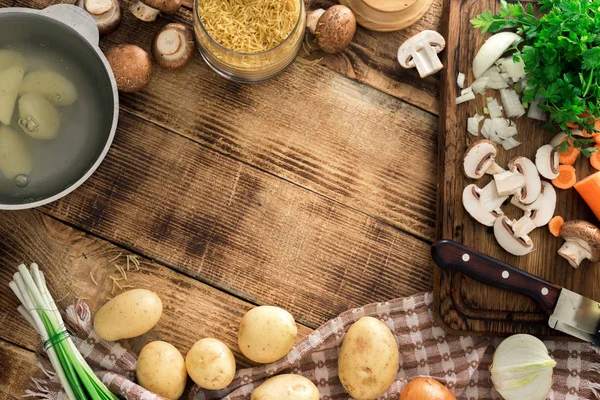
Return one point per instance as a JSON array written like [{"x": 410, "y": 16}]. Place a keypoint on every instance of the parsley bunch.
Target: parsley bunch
[{"x": 561, "y": 51}]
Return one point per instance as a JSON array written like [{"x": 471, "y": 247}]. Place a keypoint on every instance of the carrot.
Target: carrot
[
  {"x": 555, "y": 224},
  {"x": 589, "y": 190},
  {"x": 566, "y": 177},
  {"x": 590, "y": 135},
  {"x": 597, "y": 138},
  {"x": 572, "y": 125},
  {"x": 569, "y": 156},
  {"x": 595, "y": 158}
]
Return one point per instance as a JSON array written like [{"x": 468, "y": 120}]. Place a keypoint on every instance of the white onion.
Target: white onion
[
  {"x": 465, "y": 97},
  {"x": 515, "y": 70},
  {"x": 473, "y": 124},
  {"x": 479, "y": 85},
  {"x": 487, "y": 128},
  {"x": 504, "y": 128},
  {"x": 460, "y": 81},
  {"x": 534, "y": 111},
  {"x": 512, "y": 103},
  {"x": 510, "y": 143},
  {"x": 522, "y": 368},
  {"x": 465, "y": 91},
  {"x": 491, "y": 51},
  {"x": 495, "y": 79},
  {"x": 494, "y": 109}
]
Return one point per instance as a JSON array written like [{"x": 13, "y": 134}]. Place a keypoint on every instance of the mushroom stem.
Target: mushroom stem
[
  {"x": 573, "y": 253},
  {"x": 143, "y": 12},
  {"x": 313, "y": 18}
]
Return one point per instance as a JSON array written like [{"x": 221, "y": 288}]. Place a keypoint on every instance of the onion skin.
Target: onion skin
[{"x": 426, "y": 389}]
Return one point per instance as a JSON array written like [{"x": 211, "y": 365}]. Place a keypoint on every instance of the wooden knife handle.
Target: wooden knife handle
[{"x": 451, "y": 255}]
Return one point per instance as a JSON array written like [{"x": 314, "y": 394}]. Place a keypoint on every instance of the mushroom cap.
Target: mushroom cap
[
  {"x": 335, "y": 29},
  {"x": 131, "y": 66},
  {"x": 533, "y": 184},
  {"x": 504, "y": 233},
  {"x": 547, "y": 161},
  {"x": 584, "y": 234},
  {"x": 433, "y": 38},
  {"x": 173, "y": 46},
  {"x": 480, "y": 156},
  {"x": 542, "y": 210},
  {"x": 164, "y": 6},
  {"x": 106, "y": 14}
]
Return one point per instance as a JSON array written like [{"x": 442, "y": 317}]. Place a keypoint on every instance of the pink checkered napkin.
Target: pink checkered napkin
[{"x": 462, "y": 363}]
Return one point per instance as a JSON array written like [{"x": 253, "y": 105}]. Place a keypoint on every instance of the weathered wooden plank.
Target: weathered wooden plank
[
  {"x": 313, "y": 127},
  {"x": 191, "y": 310},
  {"x": 16, "y": 367},
  {"x": 244, "y": 231}
]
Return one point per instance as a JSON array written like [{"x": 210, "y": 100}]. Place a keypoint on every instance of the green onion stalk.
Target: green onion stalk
[{"x": 39, "y": 309}]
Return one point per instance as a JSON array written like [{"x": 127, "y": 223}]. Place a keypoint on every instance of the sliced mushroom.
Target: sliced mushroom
[
  {"x": 148, "y": 10},
  {"x": 547, "y": 161},
  {"x": 131, "y": 66},
  {"x": 334, "y": 28},
  {"x": 106, "y": 13},
  {"x": 173, "y": 46},
  {"x": 480, "y": 158},
  {"x": 421, "y": 51},
  {"x": 541, "y": 210},
  {"x": 505, "y": 235},
  {"x": 582, "y": 241},
  {"x": 483, "y": 204},
  {"x": 524, "y": 225},
  {"x": 522, "y": 179}
]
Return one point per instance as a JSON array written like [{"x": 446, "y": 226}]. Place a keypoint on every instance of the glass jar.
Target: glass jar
[{"x": 249, "y": 67}]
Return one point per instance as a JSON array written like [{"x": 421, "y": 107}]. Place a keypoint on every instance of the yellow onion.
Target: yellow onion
[{"x": 426, "y": 389}]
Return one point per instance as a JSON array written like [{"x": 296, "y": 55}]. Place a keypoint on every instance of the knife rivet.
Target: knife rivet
[
  {"x": 466, "y": 257},
  {"x": 505, "y": 274},
  {"x": 544, "y": 291}
]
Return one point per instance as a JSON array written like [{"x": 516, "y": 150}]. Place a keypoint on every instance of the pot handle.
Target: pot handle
[{"x": 76, "y": 18}]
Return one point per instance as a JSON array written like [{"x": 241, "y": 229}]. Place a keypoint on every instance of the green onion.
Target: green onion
[{"x": 39, "y": 309}]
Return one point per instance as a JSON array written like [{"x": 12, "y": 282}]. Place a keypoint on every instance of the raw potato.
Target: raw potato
[
  {"x": 129, "y": 314},
  {"x": 267, "y": 334},
  {"x": 53, "y": 86},
  {"x": 10, "y": 79},
  {"x": 369, "y": 359},
  {"x": 286, "y": 387},
  {"x": 210, "y": 364},
  {"x": 11, "y": 58},
  {"x": 161, "y": 370},
  {"x": 14, "y": 154},
  {"x": 37, "y": 117}
]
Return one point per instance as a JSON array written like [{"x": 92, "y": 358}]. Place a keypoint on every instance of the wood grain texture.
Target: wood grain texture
[
  {"x": 464, "y": 305},
  {"x": 244, "y": 231},
  {"x": 310, "y": 126},
  {"x": 14, "y": 380},
  {"x": 191, "y": 310}
]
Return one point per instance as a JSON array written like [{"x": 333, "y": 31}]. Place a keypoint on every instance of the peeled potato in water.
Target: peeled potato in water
[
  {"x": 14, "y": 154},
  {"x": 53, "y": 86},
  {"x": 37, "y": 117},
  {"x": 10, "y": 79},
  {"x": 11, "y": 58}
]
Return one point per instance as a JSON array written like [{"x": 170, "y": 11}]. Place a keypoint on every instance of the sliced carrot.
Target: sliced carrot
[
  {"x": 572, "y": 125},
  {"x": 569, "y": 156},
  {"x": 566, "y": 177},
  {"x": 589, "y": 190},
  {"x": 555, "y": 224},
  {"x": 597, "y": 138},
  {"x": 595, "y": 158},
  {"x": 590, "y": 135}
]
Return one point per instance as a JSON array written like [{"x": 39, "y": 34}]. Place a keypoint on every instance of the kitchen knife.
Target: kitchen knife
[{"x": 569, "y": 312}]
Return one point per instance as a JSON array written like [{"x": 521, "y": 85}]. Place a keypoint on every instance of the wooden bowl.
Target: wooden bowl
[{"x": 387, "y": 15}]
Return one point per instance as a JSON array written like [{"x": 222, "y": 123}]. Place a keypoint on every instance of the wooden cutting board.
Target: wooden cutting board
[{"x": 463, "y": 305}]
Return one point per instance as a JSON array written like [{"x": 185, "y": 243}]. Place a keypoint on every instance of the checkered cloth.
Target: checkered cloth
[{"x": 460, "y": 362}]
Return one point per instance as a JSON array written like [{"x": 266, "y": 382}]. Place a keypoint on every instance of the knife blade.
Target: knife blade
[{"x": 568, "y": 311}]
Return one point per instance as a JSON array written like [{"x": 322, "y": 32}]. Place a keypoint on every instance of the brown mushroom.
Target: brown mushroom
[
  {"x": 147, "y": 10},
  {"x": 106, "y": 13},
  {"x": 582, "y": 241},
  {"x": 334, "y": 27},
  {"x": 131, "y": 66},
  {"x": 173, "y": 46}
]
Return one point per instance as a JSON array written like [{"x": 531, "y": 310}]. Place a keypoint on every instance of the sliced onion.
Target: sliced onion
[
  {"x": 487, "y": 129},
  {"x": 465, "y": 97},
  {"x": 512, "y": 103},
  {"x": 460, "y": 81},
  {"x": 494, "y": 109},
  {"x": 491, "y": 51},
  {"x": 504, "y": 128},
  {"x": 473, "y": 124},
  {"x": 514, "y": 70},
  {"x": 479, "y": 85},
  {"x": 522, "y": 368},
  {"x": 535, "y": 112},
  {"x": 510, "y": 143},
  {"x": 465, "y": 91},
  {"x": 495, "y": 79}
]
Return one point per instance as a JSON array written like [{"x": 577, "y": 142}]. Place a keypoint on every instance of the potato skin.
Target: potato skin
[
  {"x": 210, "y": 364},
  {"x": 129, "y": 314},
  {"x": 267, "y": 334},
  {"x": 161, "y": 369},
  {"x": 369, "y": 359},
  {"x": 286, "y": 387}
]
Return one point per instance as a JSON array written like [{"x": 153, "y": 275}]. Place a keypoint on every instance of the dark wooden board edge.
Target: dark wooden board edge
[{"x": 447, "y": 300}]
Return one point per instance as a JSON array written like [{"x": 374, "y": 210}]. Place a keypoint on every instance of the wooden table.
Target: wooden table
[{"x": 314, "y": 192}]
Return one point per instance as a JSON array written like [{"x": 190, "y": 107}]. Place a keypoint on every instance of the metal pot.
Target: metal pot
[{"x": 68, "y": 29}]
